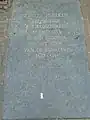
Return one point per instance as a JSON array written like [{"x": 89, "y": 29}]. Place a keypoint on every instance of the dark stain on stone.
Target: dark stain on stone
[
  {"x": 77, "y": 37},
  {"x": 14, "y": 33}
]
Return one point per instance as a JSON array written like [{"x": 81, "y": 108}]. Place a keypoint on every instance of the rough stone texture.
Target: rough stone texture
[
  {"x": 4, "y": 21},
  {"x": 85, "y": 10},
  {"x": 46, "y": 59},
  {"x": 6, "y": 4}
]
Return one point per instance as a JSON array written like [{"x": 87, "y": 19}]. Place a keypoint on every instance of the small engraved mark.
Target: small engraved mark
[{"x": 41, "y": 96}]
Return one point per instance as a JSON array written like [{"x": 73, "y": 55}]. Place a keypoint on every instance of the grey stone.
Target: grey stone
[
  {"x": 1, "y": 93},
  {"x": 46, "y": 59}
]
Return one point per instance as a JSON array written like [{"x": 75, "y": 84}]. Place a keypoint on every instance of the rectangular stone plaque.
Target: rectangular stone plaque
[{"x": 46, "y": 72}]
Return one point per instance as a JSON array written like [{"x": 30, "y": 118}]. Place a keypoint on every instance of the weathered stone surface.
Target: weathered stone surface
[
  {"x": 4, "y": 21},
  {"x": 46, "y": 73}
]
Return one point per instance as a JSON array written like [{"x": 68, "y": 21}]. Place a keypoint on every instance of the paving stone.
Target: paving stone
[{"x": 47, "y": 72}]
